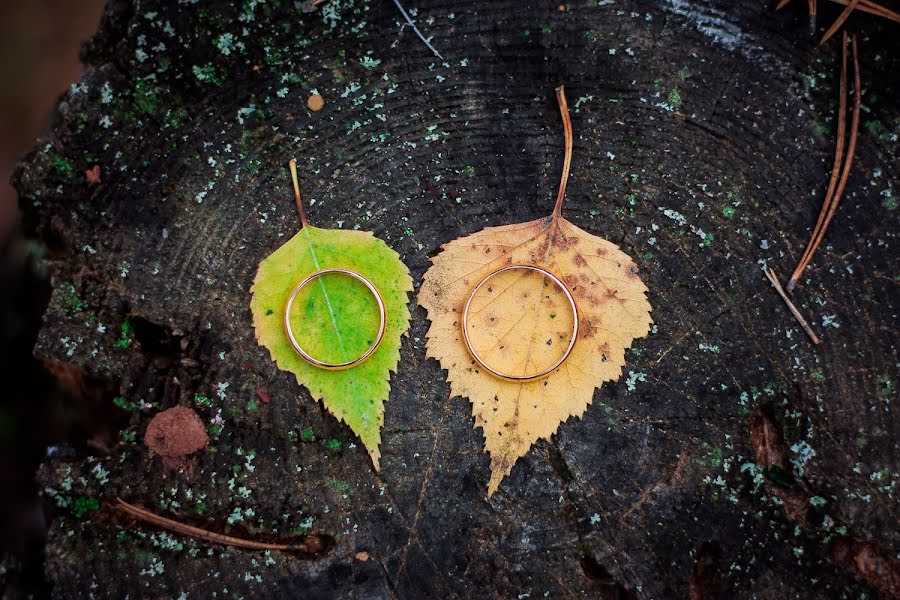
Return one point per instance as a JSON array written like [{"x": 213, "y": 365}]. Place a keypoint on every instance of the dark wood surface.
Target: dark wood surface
[{"x": 704, "y": 134}]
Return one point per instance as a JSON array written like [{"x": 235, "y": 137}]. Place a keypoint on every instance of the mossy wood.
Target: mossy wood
[{"x": 704, "y": 132}]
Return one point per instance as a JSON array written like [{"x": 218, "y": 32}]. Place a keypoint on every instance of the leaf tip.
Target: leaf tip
[{"x": 375, "y": 455}]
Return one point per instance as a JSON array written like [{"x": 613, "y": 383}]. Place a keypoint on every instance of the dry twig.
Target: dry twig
[
  {"x": 216, "y": 538},
  {"x": 770, "y": 273}
]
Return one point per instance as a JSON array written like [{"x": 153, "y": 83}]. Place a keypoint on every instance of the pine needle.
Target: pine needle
[
  {"x": 416, "y": 29},
  {"x": 834, "y": 193},
  {"x": 839, "y": 21},
  {"x": 202, "y": 534},
  {"x": 770, "y": 274}
]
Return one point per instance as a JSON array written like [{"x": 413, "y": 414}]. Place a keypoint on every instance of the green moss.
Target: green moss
[
  {"x": 876, "y": 129},
  {"x": 307, "y": 434},
  {"x": 884, "y": 387},
  {"x": 63, "y": 166},
  {"x": 713, "y": 458},
  {"x": 69, "y": 299},
  {"x": 146, "y": 97},
  {"x": 334, "y": 444},
  {"x": 124, "y": 340},
  {"x": 124, "y": 404},
  {"x": 85, "y": 505},
  {"x": 202, "y": 401},
  {"x": 341, "y": 487},
  {"x": 674, "y": 99},
  {"x": 728, "y": 212},
  {"x": 209, "y": 74}
]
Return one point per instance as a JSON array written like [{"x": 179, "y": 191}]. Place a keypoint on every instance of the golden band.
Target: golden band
[
  {"x": 319, "y": 363},
  {"x": 554, "y": 366}
]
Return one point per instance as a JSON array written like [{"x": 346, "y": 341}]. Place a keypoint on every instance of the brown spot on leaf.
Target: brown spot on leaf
[
  {"x": 586, "y": 328},
  {"x": 579, "y": 260},
  {"x": 565, "y": 243}
]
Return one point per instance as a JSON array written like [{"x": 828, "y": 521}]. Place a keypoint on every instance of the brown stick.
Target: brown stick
[
  {"x": 835, "y": 169},
  {"x": 770, "y": 274},
  {"x": 196, "y": 532},
  {"x": 839, "y": 21},
  {"x": 293, "y": 166},
  {"x": 567, "y": 161}
]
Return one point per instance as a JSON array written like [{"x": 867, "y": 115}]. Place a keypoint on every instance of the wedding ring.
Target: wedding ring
[
  {"x": 551, "y": 368},
  {"x": 314, "y": 361}
]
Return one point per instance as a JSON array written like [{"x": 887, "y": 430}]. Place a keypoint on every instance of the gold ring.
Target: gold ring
[
  {"x": 315, "y": 361},
  {"x": 554, "y": 366}
]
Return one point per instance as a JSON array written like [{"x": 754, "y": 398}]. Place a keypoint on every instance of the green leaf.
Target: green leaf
[{"x": 335, "y": 319}]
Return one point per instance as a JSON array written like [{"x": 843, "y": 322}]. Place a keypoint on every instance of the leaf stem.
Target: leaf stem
[
  {"x": 293, "y": 166},
  {"x": 195, "y": 532},
  {"x": 567, "y": 161}
]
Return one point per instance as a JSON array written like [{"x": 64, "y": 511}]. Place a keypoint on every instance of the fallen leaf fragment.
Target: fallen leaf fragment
[
  {"x": 521, "y": 323},
  {"x": 93, "y": 174},
  {"x": 772, "y": 453}
]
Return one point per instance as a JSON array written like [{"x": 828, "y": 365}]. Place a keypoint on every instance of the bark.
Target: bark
[{"x": 703, "y": 137}]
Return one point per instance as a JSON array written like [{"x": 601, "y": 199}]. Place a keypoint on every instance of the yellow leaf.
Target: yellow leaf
[{"x": 520, "y": 322}]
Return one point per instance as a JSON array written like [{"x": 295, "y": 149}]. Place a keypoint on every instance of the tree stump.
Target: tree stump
[{"x": 733, "y": 457}]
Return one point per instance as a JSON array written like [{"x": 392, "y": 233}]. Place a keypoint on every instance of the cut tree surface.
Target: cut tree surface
[{"x": 705, "y": 134}]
